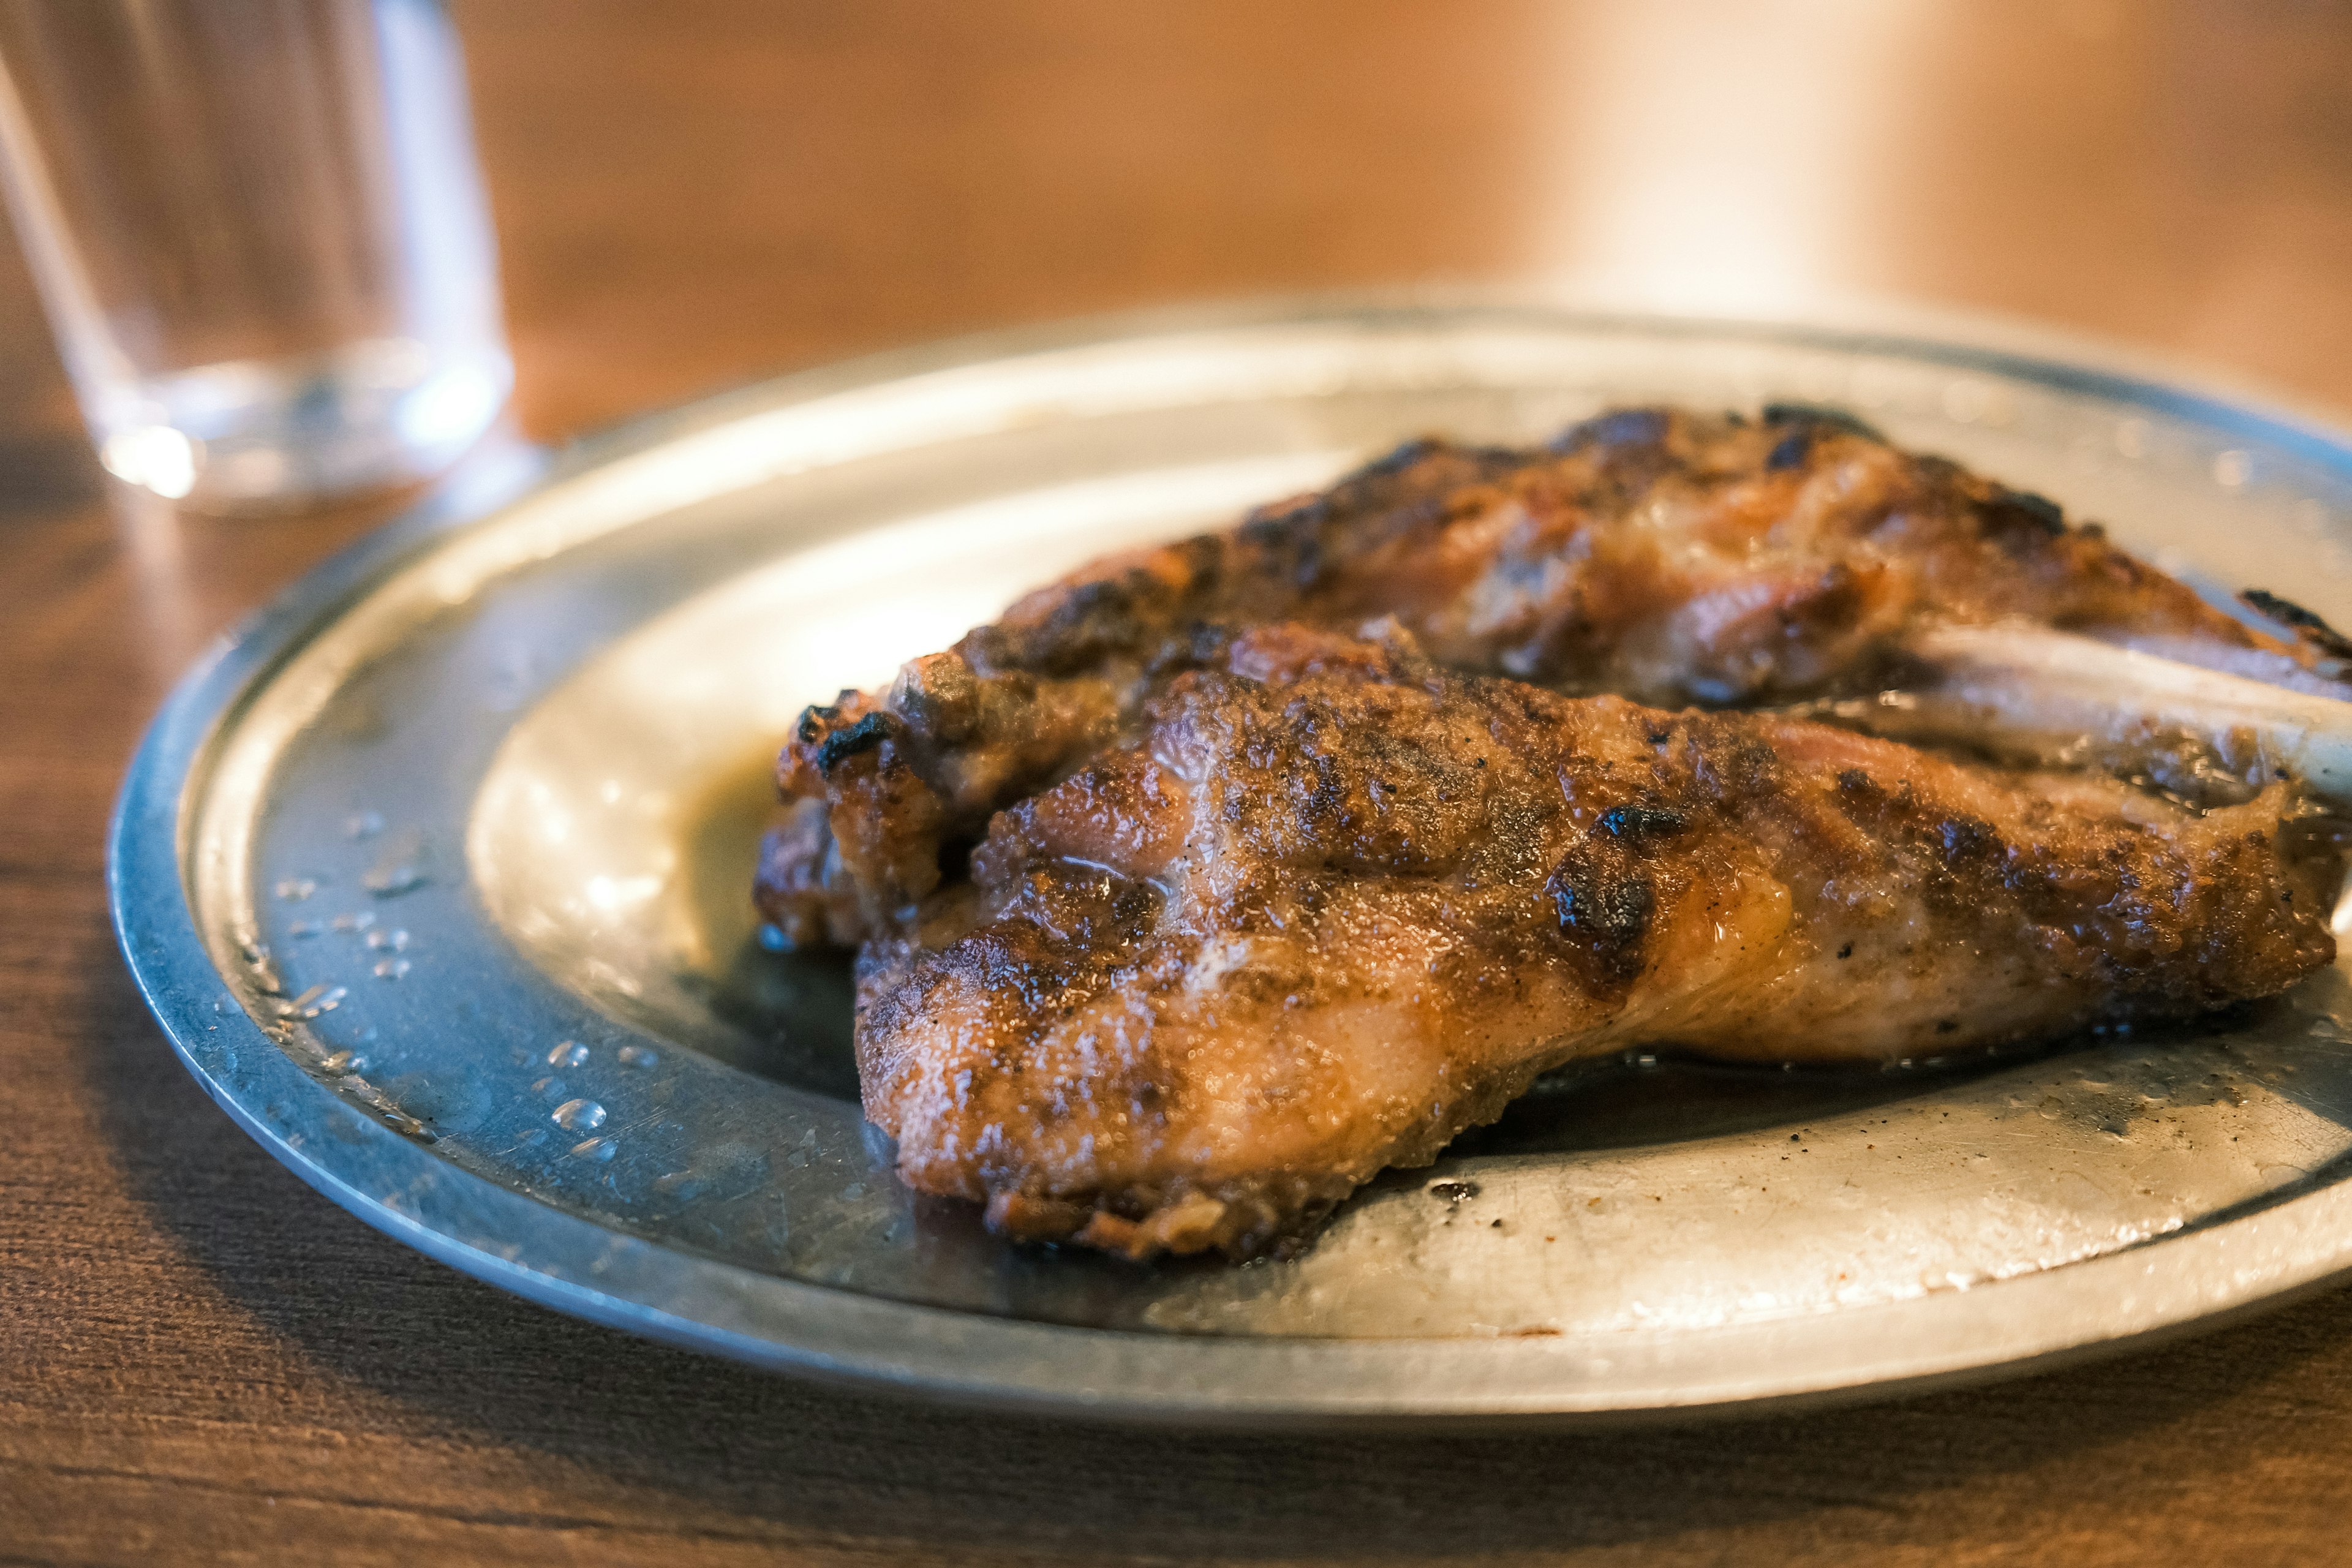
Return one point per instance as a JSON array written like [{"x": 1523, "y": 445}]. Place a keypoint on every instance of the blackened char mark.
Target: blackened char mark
[
  {"x": 1636, "y": 822},
  {"x": 1286, "y": 545},
  {"x": 1280, "y": 523},
  {"x": 813, "y": 720},
  {"x": 842, "y": 744},
  {"x": 1605, "y": 897},
  {"x": 1115, "y": 614},
  {"x": 1821, "y": 415},
  {"x": 1083, "y": 623},
  {"x": 1619, "y": 428},
  {"x": 1791, "y": 451},
  {"x": 1605, "y": 902},
  {"x": 1395, "y": 462},
  {"x": 2047, "y": 513},
  {"x": 2020, "y": 518},
  {"x": 2304, "y": 622}
]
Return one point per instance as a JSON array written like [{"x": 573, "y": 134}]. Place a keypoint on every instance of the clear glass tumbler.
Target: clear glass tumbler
[{"x": 259, "y": 233}]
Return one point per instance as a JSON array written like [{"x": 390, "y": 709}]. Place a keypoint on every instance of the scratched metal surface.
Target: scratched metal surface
[{"x": 437, "y": 877}]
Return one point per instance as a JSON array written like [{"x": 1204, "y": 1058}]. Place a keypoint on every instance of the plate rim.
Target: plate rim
[{"x": 2262, "y": 1258}]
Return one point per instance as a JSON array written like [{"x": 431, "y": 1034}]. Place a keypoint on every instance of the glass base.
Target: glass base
[{"x": 258, "y": 432}]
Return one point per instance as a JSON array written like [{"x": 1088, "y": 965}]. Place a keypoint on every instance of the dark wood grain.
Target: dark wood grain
[{"x": 201, "y": 1360}]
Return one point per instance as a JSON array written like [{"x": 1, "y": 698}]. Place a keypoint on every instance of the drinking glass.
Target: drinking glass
[{"x": 259, "y": 234}]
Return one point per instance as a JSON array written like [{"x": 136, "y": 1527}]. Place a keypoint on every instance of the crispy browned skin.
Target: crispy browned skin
[
  {"x": 1334, "y": 906},
  {"x": 1661, "y": 556}
]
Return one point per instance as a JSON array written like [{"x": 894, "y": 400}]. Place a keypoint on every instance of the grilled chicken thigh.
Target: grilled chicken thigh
[
  {"x": 1328, "y": 905},
  {"x": 1663, "y": 556}
]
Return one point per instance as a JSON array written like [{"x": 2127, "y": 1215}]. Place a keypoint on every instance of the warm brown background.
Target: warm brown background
[{"x": 199, "y": 1360}]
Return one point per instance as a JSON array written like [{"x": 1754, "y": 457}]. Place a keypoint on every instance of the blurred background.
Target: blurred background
[
  {"x": 746, "y": 184},
  {"x": 694, "y": 194},
  {"x": 698, "y": 192}
]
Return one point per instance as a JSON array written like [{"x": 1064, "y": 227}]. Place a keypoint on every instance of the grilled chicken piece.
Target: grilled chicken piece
[
  {"x": 1665, "y": 556},
  {"x": 1333, "y": 906}
]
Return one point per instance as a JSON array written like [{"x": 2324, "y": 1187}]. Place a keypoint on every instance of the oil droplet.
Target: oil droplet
[
  {"x": 579, "y": 1116},
  {"x": 549, "y": 1086},
  {"x": 363, "y": 825},
  {"x": 358, "y": 920},
  {"x": 391, "y": 968},
  {"x": 567, "y": 1053},
  {"x": 599, "y": 1150},
  {"x": 395, "y": 940},
  {"x": 1453, "y": 1190},
  {"x": 390, "y": 881},
  {"x": 294, "y": 889},
  {"x": 399, "y": 866},
  {"x": 639, "y": 1057},
  {"x": 305, "y": 928}
]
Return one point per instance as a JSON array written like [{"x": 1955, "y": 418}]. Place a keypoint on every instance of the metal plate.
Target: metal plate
[{"x": 436, "y": 875}]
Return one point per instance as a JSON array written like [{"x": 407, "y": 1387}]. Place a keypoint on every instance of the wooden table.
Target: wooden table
[{"x": 201, "y": 1360}]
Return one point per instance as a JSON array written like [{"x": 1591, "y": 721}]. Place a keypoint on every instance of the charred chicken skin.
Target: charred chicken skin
[
  {"x": 1330, "y": 904},
  {"x": 1663, "y": 556}
]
